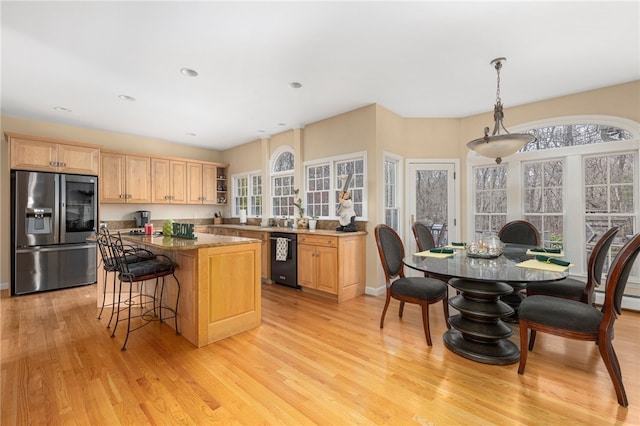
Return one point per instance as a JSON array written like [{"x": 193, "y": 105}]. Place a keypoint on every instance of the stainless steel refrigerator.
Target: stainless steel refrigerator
[{"x": 52, "y": 215}]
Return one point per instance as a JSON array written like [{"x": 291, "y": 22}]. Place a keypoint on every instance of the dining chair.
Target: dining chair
[
  {"x": 519, "y": 232},
  {"x": 573, "y": 289},
  {"x": 581, "y": 321},
  {"x": 422, "y": 291},
  {"x": 423, "y": 236},
  {"x": 155, "y": 270}
]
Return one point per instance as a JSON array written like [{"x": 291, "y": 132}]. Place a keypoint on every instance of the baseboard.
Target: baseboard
[
  {"x": 628, "y": 302},
  {"x": 4, "y": 286},
  {"x": 374, "y": 291}
]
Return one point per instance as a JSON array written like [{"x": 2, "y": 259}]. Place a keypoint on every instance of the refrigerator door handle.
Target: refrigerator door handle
[{"x": 54, "y": 248}]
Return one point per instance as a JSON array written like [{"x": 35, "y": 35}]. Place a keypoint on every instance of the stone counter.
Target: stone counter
[
  {"x": 203, "y": 240},
  {"x": 333, "y": 233}
]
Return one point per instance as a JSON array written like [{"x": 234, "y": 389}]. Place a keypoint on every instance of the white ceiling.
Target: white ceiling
[{"x": 418, "y": 59}]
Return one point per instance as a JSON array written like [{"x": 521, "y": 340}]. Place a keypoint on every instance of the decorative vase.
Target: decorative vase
[{"x": 302, "y": 222}]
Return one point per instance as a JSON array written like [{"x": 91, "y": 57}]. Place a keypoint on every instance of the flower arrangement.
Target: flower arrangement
[{"x": 302, "y": 221}]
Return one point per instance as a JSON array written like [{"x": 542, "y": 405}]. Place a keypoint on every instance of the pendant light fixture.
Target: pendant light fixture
[{"x": 499, "y": 145}]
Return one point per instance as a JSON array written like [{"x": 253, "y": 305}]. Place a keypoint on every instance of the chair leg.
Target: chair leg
[
  {"x": 425, "y": 322},
  {"x": 117, "y": 310},
  {"x": 177, "y": 302},
  {"x": 104, "y": 292},
  {"x": 613, "y": 367},
  {"x": 524, "y": 334},
  {"x": 532, "y": 339},
  {"x": 384, "y": 310},
  {"x": 401, "y": 311},
  {"x": 129, "y": 305},
  {"x": 113, "y": 310}
]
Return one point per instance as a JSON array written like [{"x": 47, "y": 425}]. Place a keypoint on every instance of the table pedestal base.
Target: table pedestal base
[
  {"x": 478, "y": 333},
  {"x": 502, "y": 352}
]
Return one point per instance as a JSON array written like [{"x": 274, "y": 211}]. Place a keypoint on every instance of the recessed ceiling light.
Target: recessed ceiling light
[
  {"x": 260, "y": 130},
  {"x": 282, "y": 124},
  {"x": 189, "y": 72},
  {"x": 295, "y": 85},
  {"x": 190, "y": 134},
  {"x": 127, "y": 98},
  {"x": 63, "y": 109}
]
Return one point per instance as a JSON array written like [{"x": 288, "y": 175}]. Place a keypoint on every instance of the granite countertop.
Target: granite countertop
[
  {"x": 175, "y": 243},
  {"x": 258, "y": 228}
]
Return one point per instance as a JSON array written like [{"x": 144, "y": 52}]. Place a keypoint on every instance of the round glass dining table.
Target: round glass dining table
[{"x": 478, "y": 332}]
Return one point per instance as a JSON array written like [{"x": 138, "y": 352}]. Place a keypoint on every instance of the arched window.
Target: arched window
[
  {"x": 565, "y": 135},
  {"x": 282, "y": 185}
]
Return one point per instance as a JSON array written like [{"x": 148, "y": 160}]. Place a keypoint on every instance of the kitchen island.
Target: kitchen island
[{"x": 220, "y": 283}]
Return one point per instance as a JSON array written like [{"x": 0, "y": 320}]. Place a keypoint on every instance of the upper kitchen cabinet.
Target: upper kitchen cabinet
[
  {"x": 125, "y": 178},
  {"x": 202, "y": 183},
  {"x": 52, "y": 155},
  {"x": 168, "y": 181}
]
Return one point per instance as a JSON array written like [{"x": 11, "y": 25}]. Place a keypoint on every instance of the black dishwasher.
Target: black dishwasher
[{"x": 284, "y": 259}]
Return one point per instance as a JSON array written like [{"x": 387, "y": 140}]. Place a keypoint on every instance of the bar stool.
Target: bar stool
[
  {"x": 156, "y": 268},
  {"x": 109, "y": 265}
]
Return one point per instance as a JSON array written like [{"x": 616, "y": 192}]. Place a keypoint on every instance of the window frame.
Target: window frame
[
  {"x": 397, "y": 160},
  {"x": 251, "y": 209},
  {"x": 274, "y": 175}
]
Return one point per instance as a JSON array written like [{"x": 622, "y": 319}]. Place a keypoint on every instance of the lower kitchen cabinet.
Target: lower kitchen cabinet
[
  {"x": 318, "y": 263},
  {"x": 331, "y": 264}
]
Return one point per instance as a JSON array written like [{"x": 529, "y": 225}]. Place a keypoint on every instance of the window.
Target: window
[
  {"x": 240, "y": 191},
  {"x": 255, "y": 191},
  {"x": 325, "y": 179},
  {"x": 391, "y": 191},
  {"x": 282, "y": 185},
  {"x": 609, "y": 198},
  {"x": 490, "y": 198},
  {"x": 247, "y": 194},
  {"x": 543, "y": 199},
  {"x": 356, "y": 187},
  {"x": 565, "y": 135},
  {"x": 318, "y": 189}
]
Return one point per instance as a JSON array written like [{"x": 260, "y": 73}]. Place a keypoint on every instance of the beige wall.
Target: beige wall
[{"x": 373, "y": 129}]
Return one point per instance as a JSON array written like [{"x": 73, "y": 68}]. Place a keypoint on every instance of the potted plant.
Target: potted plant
[
  {"x": 301, "y": 221},
  {"x": 313, "y": 222}
]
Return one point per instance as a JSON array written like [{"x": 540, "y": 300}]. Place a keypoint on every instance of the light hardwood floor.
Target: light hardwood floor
[{"x": 310, "y": 362}]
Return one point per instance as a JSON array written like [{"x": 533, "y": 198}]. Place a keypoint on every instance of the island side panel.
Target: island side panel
[
  {"x": 229, "y": 291},
  {"x": 351, "y": 267}
]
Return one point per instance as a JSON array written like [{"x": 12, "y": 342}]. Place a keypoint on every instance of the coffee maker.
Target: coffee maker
[{"x": 142, "y": 217}]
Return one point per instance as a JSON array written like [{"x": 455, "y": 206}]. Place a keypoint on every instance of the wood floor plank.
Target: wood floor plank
[{"x": 312, "y": 361}]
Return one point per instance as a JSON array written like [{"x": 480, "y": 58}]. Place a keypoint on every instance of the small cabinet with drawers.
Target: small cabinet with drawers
[{"x": 332, "y": 264}]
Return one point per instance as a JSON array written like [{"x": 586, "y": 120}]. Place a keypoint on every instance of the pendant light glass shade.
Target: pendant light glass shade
[{"x": 499, "y": 145}]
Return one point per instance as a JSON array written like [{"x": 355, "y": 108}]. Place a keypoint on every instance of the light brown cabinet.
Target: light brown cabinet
[
  {"x": 318, "y": 263},
  {"x": 50, "y": 155},
  {"x": 168, "y": 181},
  {"x": 125, "y": 178},
  {"x": 331, "y": 264},
  {"x": 201, "y": 183}
]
